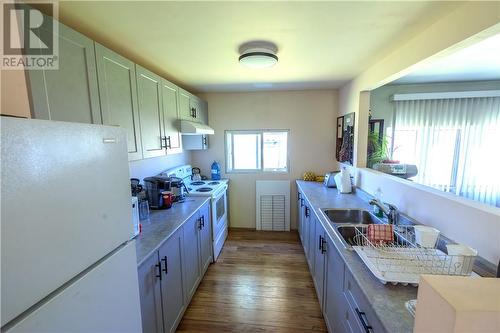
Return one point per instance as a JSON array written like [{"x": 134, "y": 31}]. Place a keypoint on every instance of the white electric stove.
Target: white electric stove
[{"x": 217, "y": 191}]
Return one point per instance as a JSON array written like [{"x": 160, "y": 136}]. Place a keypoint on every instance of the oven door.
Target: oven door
[{"x": 219, "y": 212}]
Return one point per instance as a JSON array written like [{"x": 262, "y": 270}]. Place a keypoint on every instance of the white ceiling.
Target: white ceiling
[
  {"x": 479, "y": 62},
  {"x": 321, "y": 45}
]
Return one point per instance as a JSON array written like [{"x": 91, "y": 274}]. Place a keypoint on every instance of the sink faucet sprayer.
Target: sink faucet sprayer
[{"x": 389, "y": 210}]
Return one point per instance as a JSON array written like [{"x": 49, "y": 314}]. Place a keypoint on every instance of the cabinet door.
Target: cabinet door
[
  {"x": 305, "y": 229},
  {"x": 319, "y": 259},
  {"x": 191, "y": 262},
  {"x": 149, "y": 88},
  {"x": 299, "y": 214},
  {"x": 172, "y": 281},
  {"x": 335, "y": 303},
  {"x": 118, "y": 96},
  {"x": 203, "y": 113},
  {"x": 312, "y": 240},
  {"x": 69, "y": 93},
  {"x": 205, "y": 238},
  {"x": 171, "y": 116},
  {"x": 194, "y": 106},
  {"x": 150, "y": 295},
  {"x": 184, "y": 106}
]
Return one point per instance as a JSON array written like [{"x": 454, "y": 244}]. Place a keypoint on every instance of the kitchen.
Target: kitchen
[{"x": 264, "y": 249}]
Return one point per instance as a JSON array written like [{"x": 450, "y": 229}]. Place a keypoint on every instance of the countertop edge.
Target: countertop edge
[{"x": 145, "y": 257}]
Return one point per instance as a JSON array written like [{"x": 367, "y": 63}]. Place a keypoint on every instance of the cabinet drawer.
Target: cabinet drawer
[{"x": 360, "y": 307}]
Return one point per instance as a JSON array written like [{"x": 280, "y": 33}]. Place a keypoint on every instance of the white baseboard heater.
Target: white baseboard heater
[{"x": 272, "y": 205}]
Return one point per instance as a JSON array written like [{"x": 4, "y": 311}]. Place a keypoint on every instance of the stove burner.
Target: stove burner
[
  {"x": 197, "y": 183},
  {"x": 214, "y": 183},
  {"x": 204, "y": 189}
]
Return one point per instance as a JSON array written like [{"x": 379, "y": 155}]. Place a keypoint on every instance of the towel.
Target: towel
[{"x": 380, "y": 234}]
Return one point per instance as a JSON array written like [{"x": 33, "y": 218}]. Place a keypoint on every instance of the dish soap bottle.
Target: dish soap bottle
[
  {"x": 215, "y": 171},
  {"x": 376, "y": 209}
]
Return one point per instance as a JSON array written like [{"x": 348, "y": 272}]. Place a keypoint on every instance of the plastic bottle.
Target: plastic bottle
[
  {"x": 215, "y": 171},
  {"x": 376, "y": 209}
]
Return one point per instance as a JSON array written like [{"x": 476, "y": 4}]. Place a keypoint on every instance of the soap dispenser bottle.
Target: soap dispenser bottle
[{"x": 376, "y": 209}]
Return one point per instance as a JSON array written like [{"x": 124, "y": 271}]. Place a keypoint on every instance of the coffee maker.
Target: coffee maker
[{"x": 154, "y": 186}]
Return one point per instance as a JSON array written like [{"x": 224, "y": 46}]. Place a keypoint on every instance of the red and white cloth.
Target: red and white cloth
[{"x": 380, "y": 233}]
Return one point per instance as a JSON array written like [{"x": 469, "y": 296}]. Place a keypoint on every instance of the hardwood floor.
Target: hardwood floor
[{"x": 261, "y": 283}]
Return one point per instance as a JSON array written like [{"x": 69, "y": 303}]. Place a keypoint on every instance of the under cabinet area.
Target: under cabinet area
[{"x": 169, "y": 277}]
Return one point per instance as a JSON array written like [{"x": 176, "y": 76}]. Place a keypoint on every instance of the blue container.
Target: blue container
[{"x": 215, "y": 171}]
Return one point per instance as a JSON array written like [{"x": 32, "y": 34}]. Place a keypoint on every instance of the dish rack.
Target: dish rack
[{"x": 402, "y": 261}]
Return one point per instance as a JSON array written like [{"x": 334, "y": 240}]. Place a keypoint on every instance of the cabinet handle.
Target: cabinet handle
[
  {"x": 204, "y": 140},
  {"x": 203, "y": 221},
  {"x": 298, "y": 196},
  {"x": 307, "y": 211},
  {"x": 195, "y": 113},
  {"x": 159, "y": 269},
  {"x": 323, "y": 245},
  {"x": 168, "y": 143},
  {"x": 164, "y": 259},
  {"x": 364, "y": 322},
  {"x": 301, "y": 202},
  {"x": 163, "y": 142},
  {"x": 320, "y": 243},
  {"x": 200, "y": 225}
]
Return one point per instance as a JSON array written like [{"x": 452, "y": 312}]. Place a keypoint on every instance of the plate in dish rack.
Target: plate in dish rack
[{"x": 403, "y": 265}]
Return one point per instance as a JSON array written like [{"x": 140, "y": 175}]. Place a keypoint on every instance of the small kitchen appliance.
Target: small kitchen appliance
[
  {"x": 179, "y": 189},
  {"x": 154, "y": 186},
  {"x": 329, "y": 180},
  {"x": 196, "y": 177}
]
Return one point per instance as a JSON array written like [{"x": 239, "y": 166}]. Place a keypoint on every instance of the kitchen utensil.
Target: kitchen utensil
[
  {"x": 426, "y": 236},
  {"x": 179, "y": 189}
]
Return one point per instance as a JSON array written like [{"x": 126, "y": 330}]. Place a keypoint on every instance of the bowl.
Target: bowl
[{"x": 426, "y": 236}]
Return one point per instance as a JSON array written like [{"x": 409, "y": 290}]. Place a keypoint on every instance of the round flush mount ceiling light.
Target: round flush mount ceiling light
[{"x": 258, "y": 54}]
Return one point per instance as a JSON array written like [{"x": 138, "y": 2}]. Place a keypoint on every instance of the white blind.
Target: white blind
[{"x": 454, "y": 142}]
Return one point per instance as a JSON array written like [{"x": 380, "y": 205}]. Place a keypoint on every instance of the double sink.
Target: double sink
[{"x": 346, "y": 222}]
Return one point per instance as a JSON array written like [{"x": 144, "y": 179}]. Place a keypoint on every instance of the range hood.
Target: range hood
[{"x": 192, "y": 128}]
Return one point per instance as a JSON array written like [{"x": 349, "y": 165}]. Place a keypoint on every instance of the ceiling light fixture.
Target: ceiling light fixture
[{"x": 258, "y": 54}]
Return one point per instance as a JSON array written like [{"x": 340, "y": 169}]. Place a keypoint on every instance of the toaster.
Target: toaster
[{"x": 329, "y": 179}]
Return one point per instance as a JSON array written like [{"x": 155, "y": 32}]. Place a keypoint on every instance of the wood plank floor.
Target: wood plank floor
[{"x": 261, "y": 283}]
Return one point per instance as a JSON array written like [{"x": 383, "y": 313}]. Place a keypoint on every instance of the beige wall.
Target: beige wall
[{"x": 310, "y": 117}]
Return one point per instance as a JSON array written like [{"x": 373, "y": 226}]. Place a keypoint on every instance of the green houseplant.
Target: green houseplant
[{"x": 378, "y": 150}]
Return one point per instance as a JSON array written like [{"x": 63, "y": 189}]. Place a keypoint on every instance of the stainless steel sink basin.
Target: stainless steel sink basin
[{"x": 351, "y": 216}]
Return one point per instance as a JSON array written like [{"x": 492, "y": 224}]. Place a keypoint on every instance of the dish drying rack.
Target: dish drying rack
[{"x": 402, "y": 261}]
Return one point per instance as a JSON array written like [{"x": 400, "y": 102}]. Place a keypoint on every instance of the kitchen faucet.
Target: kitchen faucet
[{"x": 389, "y": 210}]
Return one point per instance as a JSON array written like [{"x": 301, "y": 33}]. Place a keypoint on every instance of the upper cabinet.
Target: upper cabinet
[
  {"x": 192, "y": 108},
  {"x": 118, "y": 95},
  {"x": 149, "y": 90},
  {"x": 69, "y": 93},
  {"x": 171, "y": 116},
  {"x": 95, "y": 85}
]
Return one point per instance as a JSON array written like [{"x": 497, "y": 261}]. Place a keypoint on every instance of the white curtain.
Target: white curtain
[{"x": 455, "y": 144}]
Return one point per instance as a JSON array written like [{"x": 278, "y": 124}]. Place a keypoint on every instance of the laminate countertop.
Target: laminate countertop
[
  {"x": 164, "y": 223},
  {"x": 387, "y": 301}
]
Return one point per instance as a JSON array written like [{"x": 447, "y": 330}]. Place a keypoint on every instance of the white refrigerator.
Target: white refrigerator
[{"x": 67, "y": 262}]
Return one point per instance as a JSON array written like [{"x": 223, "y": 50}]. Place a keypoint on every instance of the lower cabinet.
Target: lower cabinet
[
  {"x": 319, "y": 260},
  {"x": 150, "y": 293},
  {"x": 169, "y": 277},
  {"x": 171, "y": 282},
  {"x": 334, "y": 300}
]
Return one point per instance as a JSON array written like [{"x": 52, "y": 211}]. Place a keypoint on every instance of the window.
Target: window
[
  {"x": 257, "y": 151},
  {"x": 453, "y": 143}
]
